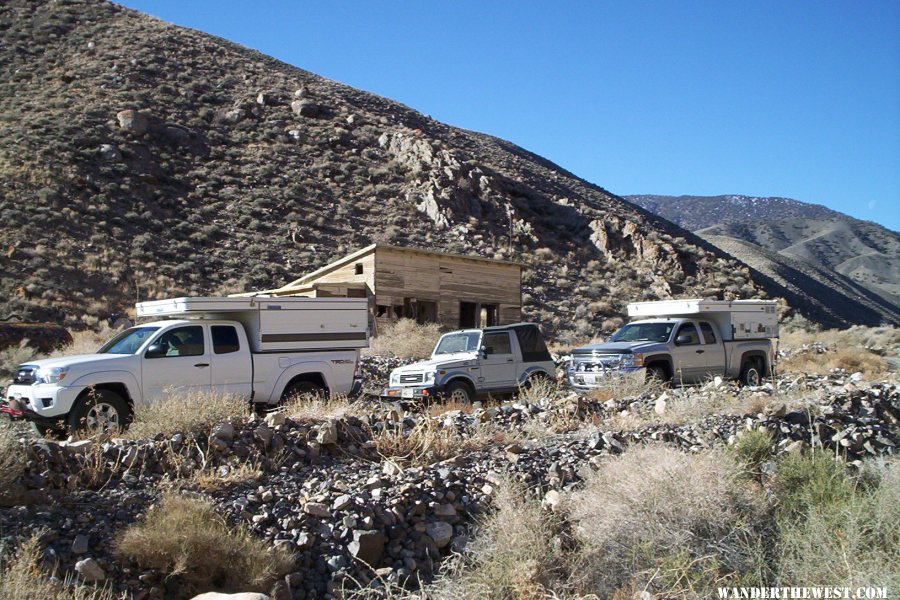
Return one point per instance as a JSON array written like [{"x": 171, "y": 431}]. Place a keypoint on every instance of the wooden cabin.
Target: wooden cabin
[{"x": 455, "y": 290}]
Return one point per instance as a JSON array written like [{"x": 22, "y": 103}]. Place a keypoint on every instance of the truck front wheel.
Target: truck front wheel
[
  {"x": 656, "y": 374},
  {"x": 100, "y": 410},
  {"x": 751, "y": 375}
]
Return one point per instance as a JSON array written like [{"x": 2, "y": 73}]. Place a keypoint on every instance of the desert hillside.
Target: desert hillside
[
  {"x": 140, "y": 159},
  {"x": 837, "y": 254}
]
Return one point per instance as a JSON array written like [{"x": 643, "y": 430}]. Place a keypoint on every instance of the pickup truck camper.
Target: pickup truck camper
[
  {"x": 684, "y": 341},
  {"x": 263, "y": 349}
]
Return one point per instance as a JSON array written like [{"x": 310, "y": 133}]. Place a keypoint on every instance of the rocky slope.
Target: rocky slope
[
  {"x": 141, "y": 160},
  {"x": 847, "y": 268}
]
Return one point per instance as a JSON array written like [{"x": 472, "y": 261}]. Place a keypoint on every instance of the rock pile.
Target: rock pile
[{"x": 354, "y": 515}]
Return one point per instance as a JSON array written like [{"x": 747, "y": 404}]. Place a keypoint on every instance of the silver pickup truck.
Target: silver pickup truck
[{"x": 684, "y": 341}]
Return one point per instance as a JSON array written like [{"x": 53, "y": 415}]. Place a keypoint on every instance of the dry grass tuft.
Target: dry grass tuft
[
  {"x": 22, "y": 578},
  {"x": 184, "y": 413},
  {"x": 406, "y": 339},
  {"x": 517, "y": 553},
  {"x": 187, "y": 539},
  {"x": 429, "y": 441},
  {"x": 670, "y": 521},
  {"x": 425, "y": 443},
  {"x": 851, "y": 360},
  {"x": 316, "y": 408}
]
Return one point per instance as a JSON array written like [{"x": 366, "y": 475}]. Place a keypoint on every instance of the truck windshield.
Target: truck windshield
[
  {"x": 459, "y": 342},
  {"x": 641, "y": 332},
  {"x": 128, "y": 342}
]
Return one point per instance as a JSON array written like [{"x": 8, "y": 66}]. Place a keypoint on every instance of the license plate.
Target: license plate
[{"x": 407, "y": 393}]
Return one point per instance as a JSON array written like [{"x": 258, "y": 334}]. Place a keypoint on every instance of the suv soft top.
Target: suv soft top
[{"x": 530, "y": 339}]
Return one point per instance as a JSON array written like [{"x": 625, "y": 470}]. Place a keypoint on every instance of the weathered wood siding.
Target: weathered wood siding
[
  {"x": 347, "y": 273},
  {"x": 448, "y": 281}
]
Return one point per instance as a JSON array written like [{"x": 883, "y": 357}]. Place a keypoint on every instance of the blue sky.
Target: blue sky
[{"x": 798, "y": 99}]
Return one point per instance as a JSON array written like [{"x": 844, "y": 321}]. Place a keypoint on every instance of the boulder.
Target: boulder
[
  {"x": 134, "y": 121},
  {"x": 306, "y": 108},
  {"x": 110, "y": 152},
  {"x": 90, "y": 570},
  {"x": 440, "y": 532},
  {"x": 368, "y": 546},
  {"x": 327, "y": 433}
]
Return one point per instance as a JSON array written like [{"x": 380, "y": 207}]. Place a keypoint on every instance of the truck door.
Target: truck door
[
  {"x": 498, "y": 368},
  {"x": 177, "y": 362},
  {"x": 713, "y": 350},
  {"x": 232, "y": 370},
  {"x": 687, "y": 354}
]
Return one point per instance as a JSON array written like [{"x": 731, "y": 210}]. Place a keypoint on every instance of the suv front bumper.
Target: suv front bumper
[{"x": 412, "y": 393}]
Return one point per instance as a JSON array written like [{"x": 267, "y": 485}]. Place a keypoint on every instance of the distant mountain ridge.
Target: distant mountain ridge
[{"x": 782, "y": 238}]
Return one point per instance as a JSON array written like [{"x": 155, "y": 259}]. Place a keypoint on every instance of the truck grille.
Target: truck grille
[
  {"x": 25, "y": 376},
  {"x": 412, "y": 378},
  {"x": 598, "y": 363}
]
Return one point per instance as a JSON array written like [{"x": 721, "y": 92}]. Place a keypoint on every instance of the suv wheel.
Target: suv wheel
[{"x": 458, "y": 392}]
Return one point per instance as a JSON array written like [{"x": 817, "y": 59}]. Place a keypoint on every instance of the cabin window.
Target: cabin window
[
  {"x": 358, "y": 268},
  {"x": 490, "y": 315},
  {"x": 709, "y": 336},
  {"x": 225, "y": 339},
  {"x": 475, "y": 314}
]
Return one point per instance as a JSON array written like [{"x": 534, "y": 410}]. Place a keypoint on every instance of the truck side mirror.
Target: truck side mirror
[
  {"x": 484, "y": 352},
  {"x": 155, "y": 351},
  {"x": 683, "y": 339}
]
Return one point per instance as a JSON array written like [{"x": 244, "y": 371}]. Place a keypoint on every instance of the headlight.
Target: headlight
[
  {"x": 429, "y": 376},
  {"x": 52, "y": 375},
  {"x": 395, "y": 378},
  {"x": 632, "y": 360}
]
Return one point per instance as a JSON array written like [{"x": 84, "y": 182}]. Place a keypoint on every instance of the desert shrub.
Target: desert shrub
[
  {"x": 846, "y": 538},
  {"x": 541, "y": 389},
  {"x": 406, "y": 339},
  {"x": 180, "y": 413},
  {"x": 866, "y": 337},
  {"x": 668, "y": 522},
  {"x": 21, "y": 578},
  {"x": 87, "y": 341},
  {"x": 804, "y": 481},
  {"x": 517, "y": 553},
  {"x": 185, "y": 538},
  {"x": 752, "y": 449},
  {"x": 851, "y": 360},
  {"x": 12, "y": 357}
]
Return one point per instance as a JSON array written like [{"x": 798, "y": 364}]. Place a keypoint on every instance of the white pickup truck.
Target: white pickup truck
[
  {"x": 259, "y": 348},
  {"x": 475, "y": 362},
  {"x": 684, "y": 341}
]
